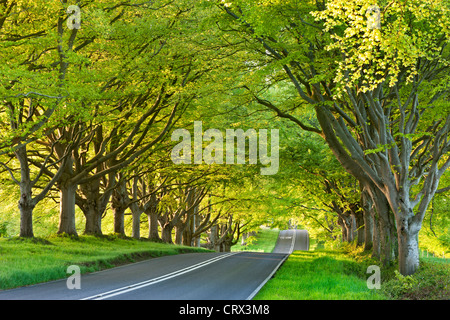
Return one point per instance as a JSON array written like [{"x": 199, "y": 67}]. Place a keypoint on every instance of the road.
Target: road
[{"x": 192, "y": 276}]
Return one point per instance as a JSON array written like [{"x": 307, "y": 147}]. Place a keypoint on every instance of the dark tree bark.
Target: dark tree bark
[
  {"x": 119, "y": 203},
  {"x": 367, "y": 207},
  {"x": 26, "y": 202},
  {"x": 67, "y": 201},
  {"x": 152, "y": 213}
]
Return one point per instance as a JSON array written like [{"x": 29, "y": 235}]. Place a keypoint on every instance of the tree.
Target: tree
[
  {"x": 378, "y": 95},
  {"x": 123, "y": 102},
  {"x": 33, "y": 90}
]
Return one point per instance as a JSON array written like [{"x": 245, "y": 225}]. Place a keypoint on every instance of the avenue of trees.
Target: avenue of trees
[{"x": 89, "y": 100}]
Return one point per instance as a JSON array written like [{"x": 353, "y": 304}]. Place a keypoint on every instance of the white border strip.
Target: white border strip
[{"x": 149, "y": 282}]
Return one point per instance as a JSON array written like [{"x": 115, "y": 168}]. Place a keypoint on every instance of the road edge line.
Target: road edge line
[
  {"x": 255, "y": 292},
  {"x": 291, "y": 249}
]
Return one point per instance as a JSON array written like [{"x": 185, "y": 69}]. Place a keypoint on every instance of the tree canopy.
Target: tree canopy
[{"x": 93, "y": 96}]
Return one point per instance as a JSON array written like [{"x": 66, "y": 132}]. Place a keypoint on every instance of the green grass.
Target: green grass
[
  {"x": 30, "y": 261},
  {"x": 318, "y": 275},
  {"x": 264, "y": 241}
]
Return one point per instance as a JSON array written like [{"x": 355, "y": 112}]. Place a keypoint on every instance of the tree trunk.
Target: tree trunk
[
  {"x": 153, "y": 233},
  {"x": 244, "y": 238},
  {"x": 166, "y": 233},
  {"x": 67, "y": 209},
  {"x": 376, "y": 252},
  {"x": 93, "y": 220},
  {"x": 366, "y": 205},
  {"x": 26, "y": 207},
  {"x": 353, "y": 226},
  {"x": 68, "y": 191},
  {"x": 368, "y": 231},
  {"x": 408, "y": 227},
  {"x": 408, "y": 246},
  {"x": 136, "y": 225},
  {"x": 360, "y": 228},
  {"x": 341, "y": 224},
  {"x": 179, "y": 230},
  {"x": 119, "y": 220},
  {"x": 347, "y": 227},
  {"x": 387, "y": 236},
  {"x": 90, "y": 207},
  {"x": 119, "y": 203},
  {"x": 191, "y": 227},
  {"x": 383, "y": 227},
  {"x": 26, "y": 203},
  {"x": 198, "y": 228},
  {"x": 213, "y": 237},
  {"x": 226, "y": 246},
  {"x": 187, "y": 233},
  {"x": 93, "y": 203},
  {"x": 136, "y": 213}
]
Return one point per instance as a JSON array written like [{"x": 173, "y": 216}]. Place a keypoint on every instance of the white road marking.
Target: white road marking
[
  {"x": 291, "y": 249},
  {"x": 150, "y": 282}
]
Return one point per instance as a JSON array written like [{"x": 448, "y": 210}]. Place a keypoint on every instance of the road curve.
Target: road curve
[{"x": 192, "y": 276}]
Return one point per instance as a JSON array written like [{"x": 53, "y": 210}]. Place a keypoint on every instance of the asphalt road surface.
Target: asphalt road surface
[{"x": 192, "y": 276}]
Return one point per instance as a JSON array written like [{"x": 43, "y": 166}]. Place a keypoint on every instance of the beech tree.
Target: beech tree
[
  {"x": 37, "y": 50},
  {"x": 379, "y": 94},
  {"x": 113, "y": 98}
]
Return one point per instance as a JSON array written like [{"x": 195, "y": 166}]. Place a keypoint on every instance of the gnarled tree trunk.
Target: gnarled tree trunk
[
  {"x": 166, "y": 233},
  {"x": 119, "y": 203},
  {"x": 90, "y": 206},
  {"x": 152, "y": 213},
  {"x": 67, "y": 209},
  {"x": 26, "y": 203}
]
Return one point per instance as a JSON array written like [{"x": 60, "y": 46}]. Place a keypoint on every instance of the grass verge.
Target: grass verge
[
  {"x": 30, "y": 261},
  {"x": 318, "y": 275},
  {"x": 341, "y": 275}
]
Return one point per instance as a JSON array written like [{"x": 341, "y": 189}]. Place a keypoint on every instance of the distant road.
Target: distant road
[
  {"x": 292, "y": 240},
  {"x": 192, "y": 276}
]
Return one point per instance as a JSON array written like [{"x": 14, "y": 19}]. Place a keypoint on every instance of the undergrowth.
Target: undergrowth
[{"x": 430, "y": 282}]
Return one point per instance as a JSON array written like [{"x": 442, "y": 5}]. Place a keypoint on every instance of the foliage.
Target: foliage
[
  {"x": 3, "y": 229},
  {"x": 377, "y": 92},
  {"x": 407, "y": 32},
  {"x": 264, "y": 241},
  {"x": 104, "y": 93},
  {"x": 435, "y": 235},
  {"x": 431, "y": 282}
]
